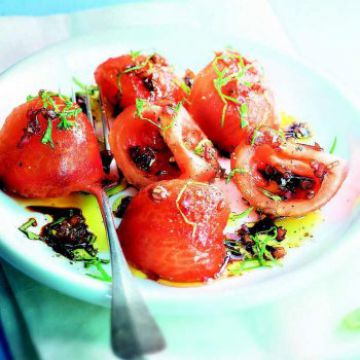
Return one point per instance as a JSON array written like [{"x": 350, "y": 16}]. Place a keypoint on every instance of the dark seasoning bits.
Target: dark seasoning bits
[
  {"x": 67, "y": 232},
  {"x": 68, "y": 235},
  {"x": 260, "y": 241}
]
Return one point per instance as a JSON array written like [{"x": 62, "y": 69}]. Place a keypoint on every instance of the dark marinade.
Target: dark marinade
[{"x": 67, "y": 232}]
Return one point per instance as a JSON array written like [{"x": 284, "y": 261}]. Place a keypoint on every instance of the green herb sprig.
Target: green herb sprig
[
  {"x": 24, "y": 228},
  {"x": 200, "y": 147},
  {"x": 270, "y": 195},
  {"x": 333, "y": 145},
  {"x": 235, "y": 171},
  {"x": 223, "y": 79},
  {"x": 142, "y": 105},
  {"x": 235, "y": 217},
  {"x": 66, "y": 113}
]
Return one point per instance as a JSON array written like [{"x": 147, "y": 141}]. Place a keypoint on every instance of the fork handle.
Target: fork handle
[{"x": 134, "y": 331}]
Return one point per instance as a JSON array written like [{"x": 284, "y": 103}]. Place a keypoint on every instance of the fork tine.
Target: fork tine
[
  {"x": 73, "y": 95},
  {"x": 105, "y": 124},
  {"x": 88, "y": 110}
]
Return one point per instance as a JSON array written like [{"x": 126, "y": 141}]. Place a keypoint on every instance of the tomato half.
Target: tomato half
[
  {"x": 229, "y": 100},
  {"x": 125, "y": 78},
  {"x": 173, "y": 230},
  {"x": 159, "y": 143},
  {"x": 286, "y": 179},
  {"x": 32, "y": 166}
]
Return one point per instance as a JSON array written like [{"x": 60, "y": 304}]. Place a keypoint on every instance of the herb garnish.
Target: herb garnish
[
  {"x": 235, "y": 171},
  {"x": 257, "y": 245},
  {"x": 271, "y": 195},
  {"x": 234, "y": 217},
  {"x": 69, "y": 236},
  {"x": 138, "y": 67},
  {"x": 143, "y": 104},
  {"x": 134, "y": 54},
  {"x": 254, "y": 136},
  {"x": 178, "y": 199},
  {"x": 200, "y": 147},
  {"x": 66, "y": 112},
  {"x": 185, "y": 87},
  {"x": 333, "y": 146},
  {"x": 223, "y": 79},
  {"x": 244, "y": 115},
  {"x": 97, "y": 263},
  {"x": 47, "y": 138},
  {"x": 90, "y": 90},
  {"x": 24, "y": 229}
]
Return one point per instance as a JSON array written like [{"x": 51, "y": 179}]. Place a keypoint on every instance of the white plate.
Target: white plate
[{"x": 298, "y": 90}]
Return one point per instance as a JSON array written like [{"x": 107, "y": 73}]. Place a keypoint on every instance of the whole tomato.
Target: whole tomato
[
  {"x": 124, "y": 79},
  {"x": 48, "y": 148},
  {"x": 173, "y": 230},
  {"x": 228, "y": 100}
]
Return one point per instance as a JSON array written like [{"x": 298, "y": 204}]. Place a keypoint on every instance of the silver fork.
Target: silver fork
[{"x": 134, "y": 331}]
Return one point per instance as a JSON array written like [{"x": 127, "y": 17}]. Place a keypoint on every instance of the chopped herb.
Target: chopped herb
[
  {"x": 138, "y": 67},
  {"x": 24, "y": 229},
  {"x": 223, "y": 79},
  {"x": 185, "y": 87},
  {"x": 30, "y": 97},
  {"x": 178, "y": 199},
  {"x": 244, "y": 115},
  {"x": 47, "y": 138},
  {"x": 258, "y": 243},
  {"x": 255, "y": 134},
  {"x": 239, "y": 267},
  {"x": 235, "y": 171},
  {"x": 135, "y": 54},
  {"x": 333, "y": 146},
  {"x": 97, "y": 263},
  {"x": 271, "y": 195},
  {"x": 234, "y": 217},
  {"x": 90, "y": 90},
  {"x": 200, "y": 147},
  {"x": 261, "y": 241},
  {"x": 142, "y": 105},
  {"x": 52, "y": 110}
]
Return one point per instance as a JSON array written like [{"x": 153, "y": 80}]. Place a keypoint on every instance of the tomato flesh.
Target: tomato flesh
[
  {"x": 173, "y": 230},
  {"x": 246, "y": 102},
  {"x": 32, "y": 169},
  {"x": 287, "y": 179},
  {"x": 159, "y": 144}
]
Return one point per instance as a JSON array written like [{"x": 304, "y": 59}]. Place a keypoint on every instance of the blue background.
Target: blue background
[{"x": 47, "y": 7}]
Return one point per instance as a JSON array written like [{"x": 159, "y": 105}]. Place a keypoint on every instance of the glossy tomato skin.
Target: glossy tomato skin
[
  {"x": 32, "y": 169},
  {"x": 303, "y": 178},
  {"x": 160, "y": 144},
  {"x": 152, "y": 79},
  {"x": 158, "y": 240},
  {"x": 206, "y": 105}
]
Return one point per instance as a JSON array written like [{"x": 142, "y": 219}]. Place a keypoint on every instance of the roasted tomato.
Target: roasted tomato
[
  {"x": 173, "y": 230},
  {"x": 48, "y": 148},
  {"x": 228, "y": 100},
  {"x": 157, "y": 142},
  {"x": 125, "y": 78},
  {"x": 286, "y": 178}
]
